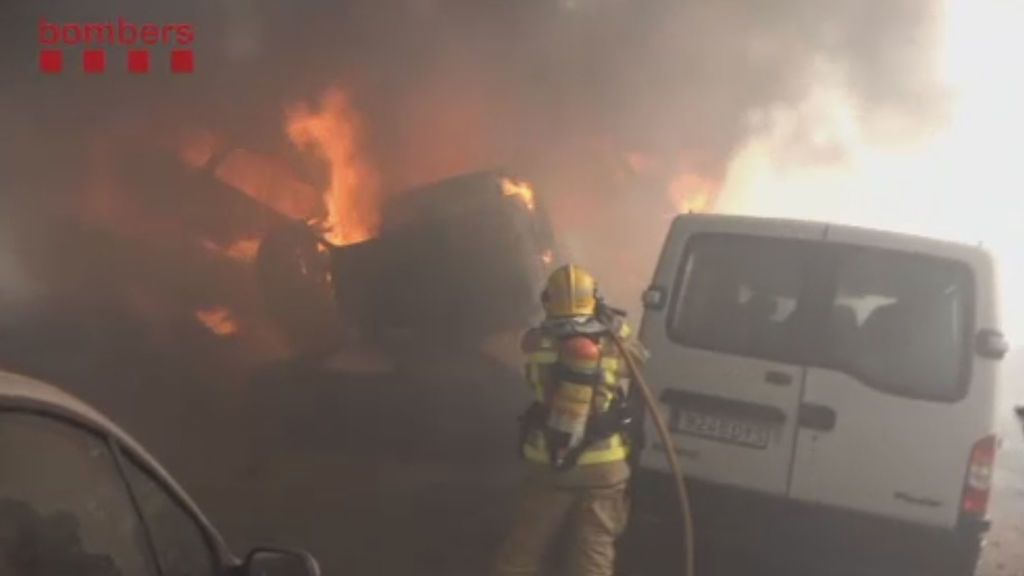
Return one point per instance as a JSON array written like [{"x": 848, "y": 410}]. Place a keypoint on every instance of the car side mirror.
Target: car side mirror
[
  {"x": 991, "y": 344},
  {"x": 270, "y": 561}
]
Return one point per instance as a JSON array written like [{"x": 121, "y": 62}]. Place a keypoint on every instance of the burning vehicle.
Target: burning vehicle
[{"x": 445, "y": 254}]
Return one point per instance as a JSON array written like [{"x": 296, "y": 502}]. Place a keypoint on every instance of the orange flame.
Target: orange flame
[
  {"x": 243, "y": 250},
  {"x": 522, "y": 190},
  {"x": 691, "y": 193},
  {"x": 332, "y": 133},
  {"x": 217, "y": 320}
]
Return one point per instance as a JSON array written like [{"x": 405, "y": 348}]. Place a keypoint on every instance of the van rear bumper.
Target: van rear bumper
[{"x": 755, "y": 533}]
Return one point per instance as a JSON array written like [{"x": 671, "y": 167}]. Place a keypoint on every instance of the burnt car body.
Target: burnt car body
[
  {"x": 80, "y": 496},
  {"x": 454, "y": 262},
  {"x": 459, "y": 259}
]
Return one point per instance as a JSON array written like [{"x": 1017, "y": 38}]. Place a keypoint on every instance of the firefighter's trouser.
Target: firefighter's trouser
[{"x": 593, "y": 517}]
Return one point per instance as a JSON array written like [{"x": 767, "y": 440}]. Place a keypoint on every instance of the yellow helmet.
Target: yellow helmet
[{"x": 570, "y": 291}]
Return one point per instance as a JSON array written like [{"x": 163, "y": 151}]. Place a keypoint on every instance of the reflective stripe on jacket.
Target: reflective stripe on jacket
[{"x": 541, "y": 351}]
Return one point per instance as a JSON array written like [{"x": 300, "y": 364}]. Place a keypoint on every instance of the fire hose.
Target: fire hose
[{"x": 670, "y": 452}]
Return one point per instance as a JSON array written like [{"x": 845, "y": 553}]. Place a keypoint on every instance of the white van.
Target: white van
[{"x": 840, "y": 376}]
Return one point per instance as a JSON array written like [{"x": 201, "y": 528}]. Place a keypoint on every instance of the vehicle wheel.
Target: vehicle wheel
[
  {"x": 968, "y": 552},
  {"x": 960, "y": 559}
]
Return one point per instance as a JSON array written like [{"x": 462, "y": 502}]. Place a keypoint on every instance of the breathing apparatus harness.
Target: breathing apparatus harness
[
  {"x": 566, "y": 418},
  {"x": 620, "y": 417}
]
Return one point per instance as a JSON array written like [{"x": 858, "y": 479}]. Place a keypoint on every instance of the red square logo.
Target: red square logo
[
  {"x": 51, "y": 61},
  {"x": 138, "y": 61},
  {"x": 182, "y": 62},
  {"x": 94, "y": 61}
]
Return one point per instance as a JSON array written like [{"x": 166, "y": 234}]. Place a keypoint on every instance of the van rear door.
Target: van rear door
[
  {"x": 889, "y": 416},
  {"x": 725, "y": 343}
]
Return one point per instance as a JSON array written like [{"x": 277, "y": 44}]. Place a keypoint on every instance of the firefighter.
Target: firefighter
[{"x": 574, "y": 436}]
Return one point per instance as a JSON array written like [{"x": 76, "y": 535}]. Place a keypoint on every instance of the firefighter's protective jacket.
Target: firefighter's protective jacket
[{"x": 602, "y": 461}]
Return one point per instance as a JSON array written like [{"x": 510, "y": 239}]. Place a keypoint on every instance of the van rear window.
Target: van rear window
[
  {"x": 900, "y": 322},
  {"x": 740, "y": 295},
  {"x": 897, "y": 321}
]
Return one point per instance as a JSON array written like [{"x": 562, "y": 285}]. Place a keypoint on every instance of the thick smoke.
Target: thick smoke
[
  {"x": 464, "y": 83},
  {"x": 600, "y": 103},
  {"x": 565, "y": 92}
]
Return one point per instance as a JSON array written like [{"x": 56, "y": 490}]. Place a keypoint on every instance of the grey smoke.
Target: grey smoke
[{"x": 557, "y": 89}]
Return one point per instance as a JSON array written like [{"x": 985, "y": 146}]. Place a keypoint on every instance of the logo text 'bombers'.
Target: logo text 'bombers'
[{"x": 96, "y": 37}]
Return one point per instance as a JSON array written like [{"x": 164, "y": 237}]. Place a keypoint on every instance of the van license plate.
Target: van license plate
[{"x": 722, "y": 429}]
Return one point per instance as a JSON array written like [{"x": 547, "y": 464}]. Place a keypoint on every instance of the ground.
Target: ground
[{"x": 410, "y": 473}]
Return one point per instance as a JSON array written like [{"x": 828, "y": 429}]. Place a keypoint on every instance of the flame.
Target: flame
[
  {"x": 332, "y": 133},
  {"x": 520, "y": 189},
  {"x": 547, "y": 257},
  {"x": 825, "y": 159},
  {"x": 691, "y": 193},
  {"x": 244, "y": 250},
  {"x": 217, "y": 320}
]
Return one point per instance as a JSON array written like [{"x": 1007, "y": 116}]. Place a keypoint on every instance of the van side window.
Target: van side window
[
  {"x": 740, "y": 295},
  {"x": 900, "y": 322}
]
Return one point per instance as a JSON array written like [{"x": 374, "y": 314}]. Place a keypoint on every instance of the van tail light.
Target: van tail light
[{"x": 978, "y": 482}]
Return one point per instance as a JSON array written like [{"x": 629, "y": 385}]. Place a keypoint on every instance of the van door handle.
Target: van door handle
[
  {"x": 778, "y": 378},
  {"x": 816, "y": 417}
]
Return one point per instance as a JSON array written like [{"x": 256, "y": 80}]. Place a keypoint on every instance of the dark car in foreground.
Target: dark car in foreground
[{"x": 79, "y": 496}]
